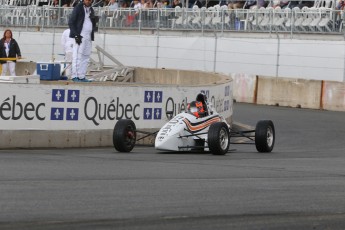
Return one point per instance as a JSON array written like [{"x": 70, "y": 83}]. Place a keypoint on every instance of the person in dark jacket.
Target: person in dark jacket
[
  {"x": 82, "y": 24},
  {"x": 9, "y": 48}
]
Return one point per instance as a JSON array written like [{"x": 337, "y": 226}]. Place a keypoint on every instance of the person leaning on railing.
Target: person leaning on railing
[
  {"x": 235, "y": 4},
  {"x": 176, "y": 3},
  {"x": 113, "y": 5},
  {"x": 9, "y": 49},
  {"x": 301, "y": 4},
  {"x": 148, "y": 4},
  {"x": 66, "y": 3},
  {"x": 340, "y": 5},
  {"x": 249, "y": 4},
  {"x": 280, "y": 3}
]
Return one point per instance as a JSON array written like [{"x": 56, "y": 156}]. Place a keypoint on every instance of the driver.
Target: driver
[
  {"x": 196, "y": 108},
  {"x": 203, "y": 99}
]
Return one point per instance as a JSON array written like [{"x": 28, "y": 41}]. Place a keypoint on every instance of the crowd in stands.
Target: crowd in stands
[
  {"x": 137, "y": 4},
  {"x": 232, "y": 4},
  {"x": 279, "y": 14}
]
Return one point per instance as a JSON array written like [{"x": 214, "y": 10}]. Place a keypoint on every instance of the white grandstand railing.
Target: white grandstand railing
[{"x": 216, "y": 19}]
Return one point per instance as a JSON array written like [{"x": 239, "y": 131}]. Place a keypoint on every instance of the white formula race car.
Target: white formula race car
[{"x": 197, "y": 129}]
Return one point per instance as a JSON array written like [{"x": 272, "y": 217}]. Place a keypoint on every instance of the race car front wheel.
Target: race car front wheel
[
  {"x": 264, "y": 136},
  {"x": 218, "y": 138},
  {"x": 124, "y": 135}
]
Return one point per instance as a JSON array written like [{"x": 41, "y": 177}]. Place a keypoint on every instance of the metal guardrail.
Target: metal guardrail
[{"x": 214, "y": 19}]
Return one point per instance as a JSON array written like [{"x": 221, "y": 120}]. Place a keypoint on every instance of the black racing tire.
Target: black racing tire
[
  {"x": 124, "y": 135},
  {"x": 219, "y": 138},
  {"x": 264, "y": 136}
]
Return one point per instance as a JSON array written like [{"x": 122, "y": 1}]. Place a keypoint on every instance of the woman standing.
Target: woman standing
[{"x": 9, "y": 49}]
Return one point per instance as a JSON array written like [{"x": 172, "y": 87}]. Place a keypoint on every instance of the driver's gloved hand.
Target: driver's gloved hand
[{"x": 78, "y": 39}]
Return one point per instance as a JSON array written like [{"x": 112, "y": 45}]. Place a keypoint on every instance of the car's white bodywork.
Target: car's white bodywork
[{"x": 185, "y": 131}]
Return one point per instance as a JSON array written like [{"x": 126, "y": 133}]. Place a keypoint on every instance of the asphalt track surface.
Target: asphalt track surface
[{"x": 301, "y": 185}]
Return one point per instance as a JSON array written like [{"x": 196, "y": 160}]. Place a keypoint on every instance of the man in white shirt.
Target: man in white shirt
[
  {"x": 137, "y": 6},
  {"x": 82, "y": 24}
]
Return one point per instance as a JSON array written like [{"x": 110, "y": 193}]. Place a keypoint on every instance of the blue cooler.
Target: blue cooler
[{"x": 48, "y": 71}]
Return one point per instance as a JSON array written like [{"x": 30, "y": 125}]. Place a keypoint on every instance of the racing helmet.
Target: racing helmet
[
  {"x": 196, "y": 108},
  {"x": 201, "y": 97}
]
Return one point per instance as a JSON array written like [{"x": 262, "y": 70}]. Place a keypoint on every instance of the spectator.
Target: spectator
[
  {"x": 161, "y": 4},
  {"x": 305, "y": 3},
  {"x": 340, "y": 5},
  {"x": 67, "y": 44},
  {"x": 261, "y": 3},
  {"x": 147, "y": 4},
  {"x": 113, "y": 5},
  {"x": 176, "y": 3},
  {"x": 249, "y": 4},
  {"x": 74, "y": 3},
  {"x": 222, "y": 3},
  {"x": 158, "y": 4},
  {"x": 281, "y": 3},
  {"x": 235, "y": 4},
  {"x": 82, "y": 24},
  {"x": 66, "y": 3},
  {"x": 197, "y": 3},
  {"x": 124, "y": 4},
  {"x": 9, "y": 48},
  {"x": 55, "y": 3},
  {"x": 166, "y": 4},
  {"x": 137, "y": 5},
  {"x": 55, "y": 12}
]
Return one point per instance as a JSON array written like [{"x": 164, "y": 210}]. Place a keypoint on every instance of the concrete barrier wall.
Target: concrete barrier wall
[
  {"x": 333, "y": 96},
  {"x": 244, "y": 87},
  {"x": 62, "y": 138},
  {"x": 25, "y": 68},
  {"x": 311, "y": 94},
  {"x": 54, "y": 139},
  {"x": 177, "y": 77},
  {"x": 289, "y": 92}
]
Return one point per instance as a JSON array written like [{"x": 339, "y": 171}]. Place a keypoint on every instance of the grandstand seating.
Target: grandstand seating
[
  {"x": 196, "y": 22},
  {"x": 321, "y": 18},
  {"x": 279, "y": 19}
]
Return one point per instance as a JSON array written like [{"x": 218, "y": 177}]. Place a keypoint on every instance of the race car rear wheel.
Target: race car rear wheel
[
  {"x": 264, "y": 136},
  {"x": 218, "y": 138},
  {"x": 124, "y": 135}
]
